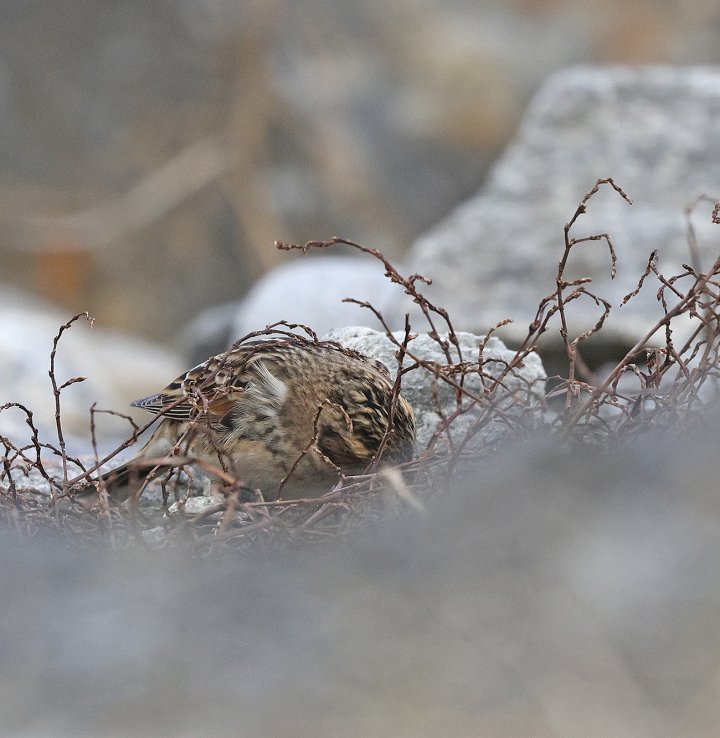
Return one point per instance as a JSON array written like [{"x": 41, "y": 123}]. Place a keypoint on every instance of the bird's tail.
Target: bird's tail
[
  {"x": 123, "y": 481},
  {"x": 128, "y": 479}
]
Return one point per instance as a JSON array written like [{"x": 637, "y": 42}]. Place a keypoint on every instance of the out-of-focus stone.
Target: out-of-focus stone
[
  {"x": 31, "y": 480},
  {"x": 193, "y": 506},
  {"x": 118, "y": 369},
  {"x": 208, "y": 333},
  {"x": 154, "y": 536},
  {"x": 654, "y": 130},
  {"x": 522, "y": 392},
  {"x": 308, "y": 291},
  {"x": 199, "y": 505}
]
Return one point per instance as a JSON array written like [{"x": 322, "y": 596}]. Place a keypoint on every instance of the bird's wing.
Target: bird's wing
[{"x": 213, "y": 386}]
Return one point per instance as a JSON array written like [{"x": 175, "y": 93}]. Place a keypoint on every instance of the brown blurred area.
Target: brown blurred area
[{"x": 153, "y": 152}]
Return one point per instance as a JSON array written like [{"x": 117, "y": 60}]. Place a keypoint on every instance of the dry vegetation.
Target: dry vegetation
[{"x": 660, "y": 382}]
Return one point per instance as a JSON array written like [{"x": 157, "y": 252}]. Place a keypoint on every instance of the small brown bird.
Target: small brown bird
[{"x": 265, "y": 404}]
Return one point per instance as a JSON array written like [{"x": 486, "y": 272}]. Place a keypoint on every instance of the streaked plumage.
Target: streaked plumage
[{"x": 255, "y": 406}]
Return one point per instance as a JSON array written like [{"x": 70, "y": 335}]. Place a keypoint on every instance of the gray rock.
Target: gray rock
[
  {"x": 527, "y": 381},
  {"x": 209, "y": 333},
  {"x": 32, "y": 481},
  {"x": 199, "y": 505},
  {"x": 655, "y": 130},
  {"x": 154, "y": 536},
  {"x": 193, "y": 506},
  {"x": 118, "y": 369},
  {"x": 310, "y": 291}
]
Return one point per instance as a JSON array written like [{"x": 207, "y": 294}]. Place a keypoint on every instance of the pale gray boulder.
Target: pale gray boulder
[
  {"x": 655, "y": 130},
  {"x": 521, "y": 395},
  {"x": 310, "y": 291}
]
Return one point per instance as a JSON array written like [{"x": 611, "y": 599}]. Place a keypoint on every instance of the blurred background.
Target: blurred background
[{"x": 153, "y": 152}]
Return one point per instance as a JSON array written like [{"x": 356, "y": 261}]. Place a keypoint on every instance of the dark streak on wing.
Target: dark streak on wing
[{"x": 157, "y": 404}]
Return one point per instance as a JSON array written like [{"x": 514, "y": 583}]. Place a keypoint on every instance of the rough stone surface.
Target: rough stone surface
[
  {"x": 199, "y": 505},
  {"x": 192, "y": 506},
  {"x": 655, "y": 130},
  {"x": 33, "y": 481},
  {"x": 417, "y": 386}
]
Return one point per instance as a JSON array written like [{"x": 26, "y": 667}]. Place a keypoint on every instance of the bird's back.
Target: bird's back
[{"x": 266, "y": 404}]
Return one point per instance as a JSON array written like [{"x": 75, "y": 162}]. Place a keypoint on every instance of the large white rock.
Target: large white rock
[
  {"x": 655, "y": 130},
  {"x": 521, "y": 394},
  {"x": 310, "y": 291}
]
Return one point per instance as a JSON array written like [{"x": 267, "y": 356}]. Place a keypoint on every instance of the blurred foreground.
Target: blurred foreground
[{"x": 554, "y": 593}]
